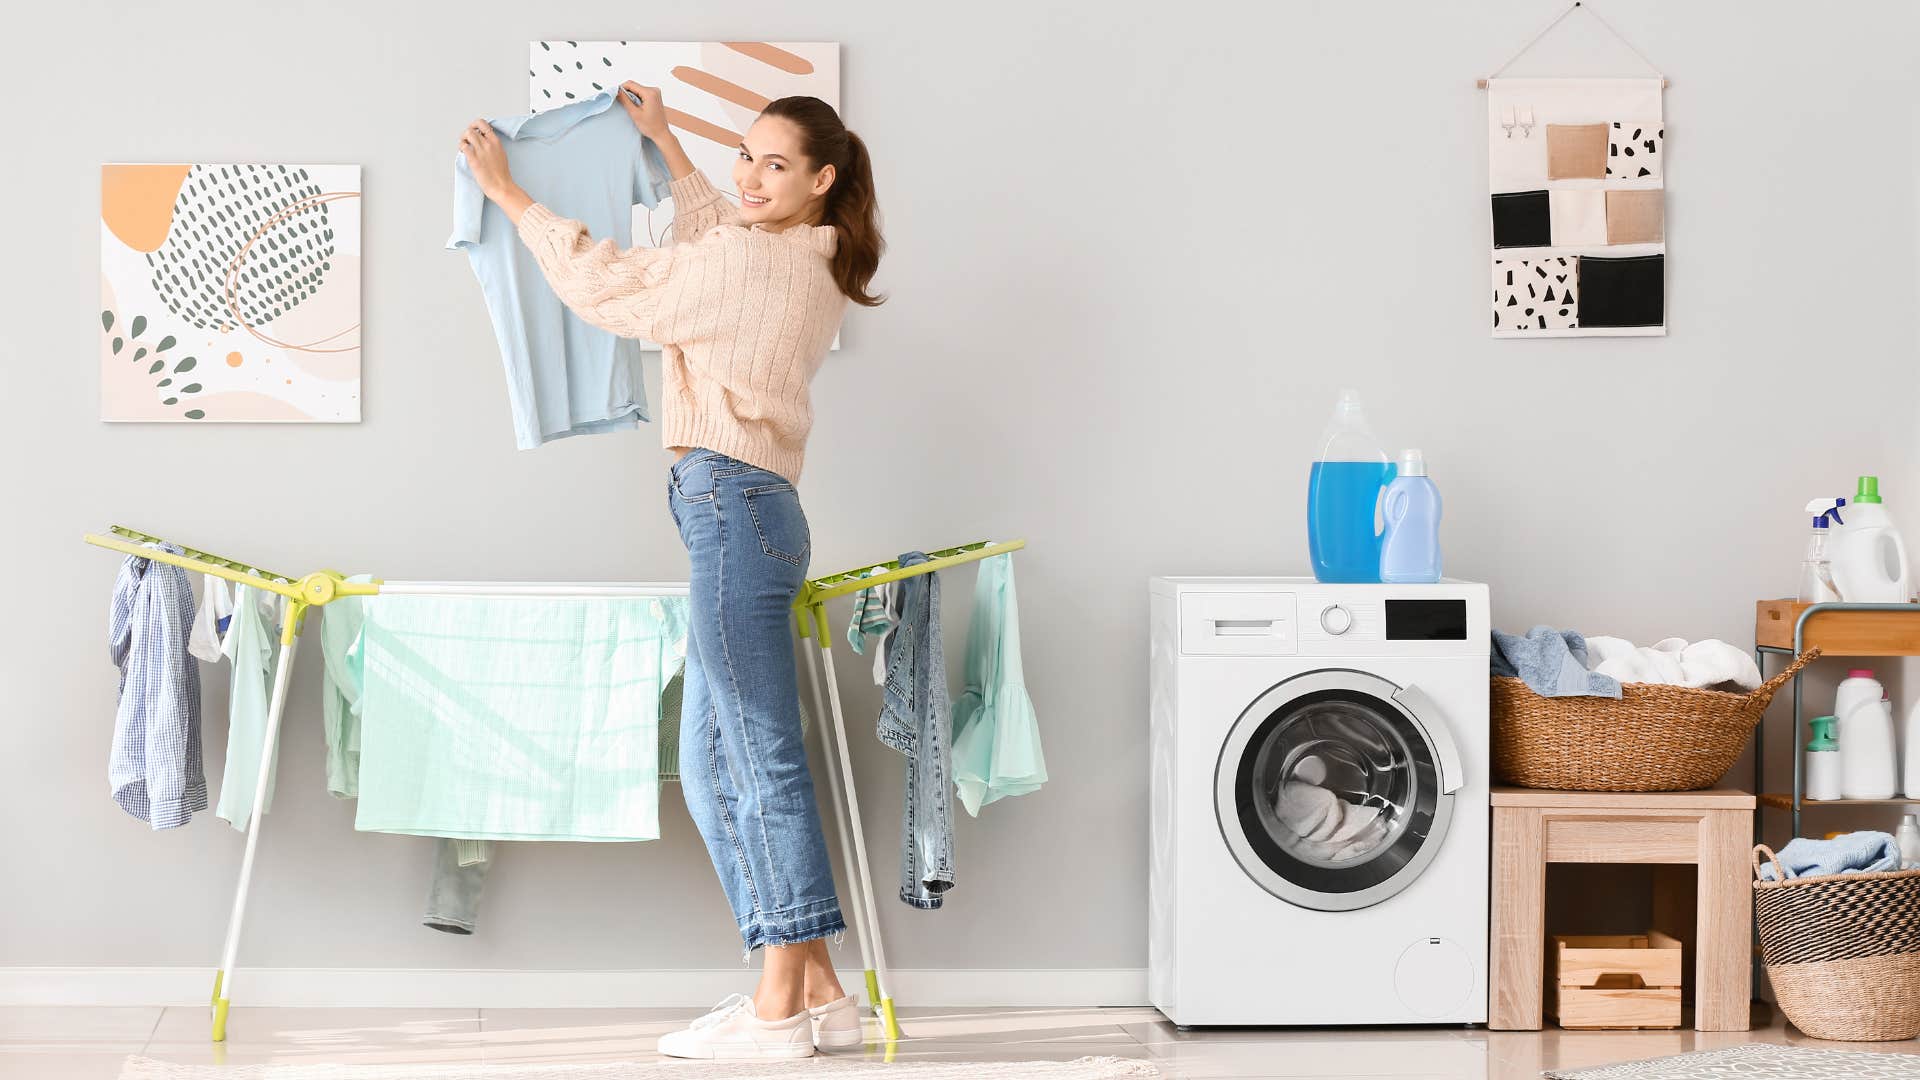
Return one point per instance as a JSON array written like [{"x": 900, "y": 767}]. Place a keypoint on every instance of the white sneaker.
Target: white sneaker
[
  {"x": 734, "y": 1031},
  {"x": 836, "y": 1025}
]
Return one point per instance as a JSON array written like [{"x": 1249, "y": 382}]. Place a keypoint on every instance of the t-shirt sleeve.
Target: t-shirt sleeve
[
  {"x": 469, "y": 206},
  {"x": 650, "y": 180}
]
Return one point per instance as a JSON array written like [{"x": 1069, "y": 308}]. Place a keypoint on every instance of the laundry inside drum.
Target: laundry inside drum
[{"x": 1335, "y": 783}]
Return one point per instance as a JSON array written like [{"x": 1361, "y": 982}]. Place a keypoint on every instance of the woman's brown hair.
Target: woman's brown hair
[{"x": 852, "y": 209}]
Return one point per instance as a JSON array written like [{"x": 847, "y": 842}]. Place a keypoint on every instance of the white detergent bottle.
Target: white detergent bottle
[
  {"x": 1410, "y": 548},
  {"x": 1869, "y": 557},
  {"x": 1910, "y": 751},
  {"x": 1909, "y": 838},
  {"x": 1863, "y": 726},
  {"x": 1823, "y": 760}
]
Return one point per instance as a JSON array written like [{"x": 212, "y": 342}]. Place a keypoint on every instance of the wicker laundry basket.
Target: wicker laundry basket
[
  {"x": 1842, "y": 950},
  {"x": 1654, "y": 738}
]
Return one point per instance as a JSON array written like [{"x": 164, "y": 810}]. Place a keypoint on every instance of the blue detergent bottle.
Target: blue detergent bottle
[
  {"x": 1410, "y": 548},
  {"x": 1343, "y": 497}
]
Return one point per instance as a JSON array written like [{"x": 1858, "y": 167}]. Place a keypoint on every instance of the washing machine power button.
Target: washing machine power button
[{"x": 1336, "y": 620}]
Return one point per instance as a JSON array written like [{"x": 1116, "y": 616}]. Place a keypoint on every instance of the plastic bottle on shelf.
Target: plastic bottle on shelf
[
  {"x": 1823, "y": 760},
  {"x": 1910, "y": 751},
  {"x": 1869, "y": 558},
  {"x": 1410, "y": 548},
  {"x": 1863, "y": 725},
  {"x": 1909, "y": 837},
  {"x": 1816, "y": 570}
]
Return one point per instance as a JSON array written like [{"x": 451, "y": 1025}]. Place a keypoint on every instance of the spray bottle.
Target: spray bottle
[{"x": 1816, "y": 570}]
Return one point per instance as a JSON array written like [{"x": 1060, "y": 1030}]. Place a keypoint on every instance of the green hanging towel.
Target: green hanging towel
[
  {"x": 996, "y": 736},
  {"x": 516, "y": 718}
]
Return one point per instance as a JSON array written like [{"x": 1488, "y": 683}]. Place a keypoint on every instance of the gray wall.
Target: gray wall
[{"x": 1134, "y": 255}]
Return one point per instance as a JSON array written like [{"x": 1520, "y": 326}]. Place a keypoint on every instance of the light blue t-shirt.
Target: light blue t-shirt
[{"x": 587, "y": 162}]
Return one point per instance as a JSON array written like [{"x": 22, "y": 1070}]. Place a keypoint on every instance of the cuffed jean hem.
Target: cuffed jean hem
[{"x": 793, "y": 926}]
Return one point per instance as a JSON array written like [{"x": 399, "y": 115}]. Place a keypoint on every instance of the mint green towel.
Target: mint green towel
[{"x": 510, "y": 718}]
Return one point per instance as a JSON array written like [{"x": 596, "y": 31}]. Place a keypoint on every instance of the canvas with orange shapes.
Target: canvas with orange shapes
[{"x": 230, "y": 293}]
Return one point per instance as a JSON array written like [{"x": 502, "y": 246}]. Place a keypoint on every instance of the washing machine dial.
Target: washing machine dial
[{"x": 1336, "y": 620}]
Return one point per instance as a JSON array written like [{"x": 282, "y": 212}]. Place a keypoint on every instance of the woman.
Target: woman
[{"x": 744, "y": 305}]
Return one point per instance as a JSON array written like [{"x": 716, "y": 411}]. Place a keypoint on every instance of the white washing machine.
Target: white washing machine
[{"x": 1319, "y": 802}]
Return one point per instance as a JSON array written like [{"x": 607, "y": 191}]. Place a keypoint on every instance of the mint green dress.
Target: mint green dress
[{"x": 996, "y": 736}]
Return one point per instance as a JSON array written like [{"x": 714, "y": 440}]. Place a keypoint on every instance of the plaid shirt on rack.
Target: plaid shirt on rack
[{"x": 155, "y": 771}]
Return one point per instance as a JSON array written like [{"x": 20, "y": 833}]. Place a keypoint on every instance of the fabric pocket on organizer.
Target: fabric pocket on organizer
[
  {"x": 1579, "y": 217},
  {"x": 1623, "y": 292},
  {"x": 1576, "y": 151},
  {"x": 1522, "y": 219},
  {"x": 1634, "y": 149},
  {"x": 1636, "y": 217},
  {"x": 1536, "y": 294}
]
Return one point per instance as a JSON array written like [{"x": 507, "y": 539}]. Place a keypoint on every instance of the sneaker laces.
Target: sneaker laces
[{"x": 729, "y": 1005}]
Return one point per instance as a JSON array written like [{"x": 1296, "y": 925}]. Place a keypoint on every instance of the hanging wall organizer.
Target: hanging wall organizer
[{"x": 1577, "y": 172}]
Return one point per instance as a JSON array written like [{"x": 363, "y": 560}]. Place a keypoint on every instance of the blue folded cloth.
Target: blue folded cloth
[
  {"x": 1553, "y": 663},
  {"x": 1853, "y": 853}
]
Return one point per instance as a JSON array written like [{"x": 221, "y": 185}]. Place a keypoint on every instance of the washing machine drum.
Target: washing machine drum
[{"x": 1332, "y": 789}]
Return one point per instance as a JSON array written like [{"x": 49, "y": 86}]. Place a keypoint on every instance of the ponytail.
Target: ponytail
[{"x": 852, "y": 208}]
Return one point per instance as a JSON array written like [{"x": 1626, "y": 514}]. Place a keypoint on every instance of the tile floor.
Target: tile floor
[{"x": 90, "y": 1043}]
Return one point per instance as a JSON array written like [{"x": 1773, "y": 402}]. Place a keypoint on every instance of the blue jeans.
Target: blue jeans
[
  {"x": 916, "y": 720},
  {"x": 743, "y": 764}
]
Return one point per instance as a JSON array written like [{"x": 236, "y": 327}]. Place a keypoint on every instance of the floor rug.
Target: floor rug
[
  {"x": 1758, "y": 1061},
  {"x": 1086, "y": 1068}
]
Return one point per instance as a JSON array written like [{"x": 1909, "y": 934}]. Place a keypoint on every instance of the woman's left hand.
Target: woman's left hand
[{"x": 486, "y": 158}]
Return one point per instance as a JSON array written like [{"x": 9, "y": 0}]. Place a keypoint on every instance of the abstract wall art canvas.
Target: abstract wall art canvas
[
  {"x": 230, "y": 293},
  {"x": 1577, "y": 169},
  {"x": 713, "y": 92}
]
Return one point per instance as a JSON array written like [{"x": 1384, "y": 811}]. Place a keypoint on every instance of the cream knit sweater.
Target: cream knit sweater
[{"x": 744, "y": 317}]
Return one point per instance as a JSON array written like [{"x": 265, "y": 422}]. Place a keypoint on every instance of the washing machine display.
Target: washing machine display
[{"x": 1334, "y": 789}]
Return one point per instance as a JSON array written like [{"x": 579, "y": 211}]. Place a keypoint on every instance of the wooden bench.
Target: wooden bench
[{"x": 1698, "y": 841}]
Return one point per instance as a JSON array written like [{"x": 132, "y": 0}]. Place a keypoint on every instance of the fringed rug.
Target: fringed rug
[
  {"x": 1759, "y": 1061},
  {"x": 1086, "y": 1068}
]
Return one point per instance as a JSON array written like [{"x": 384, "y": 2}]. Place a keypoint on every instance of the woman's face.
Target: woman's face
[{"x": 778, "y": 185}]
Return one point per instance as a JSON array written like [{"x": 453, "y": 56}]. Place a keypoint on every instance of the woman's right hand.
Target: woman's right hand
[{"x": 650, "y": 114}]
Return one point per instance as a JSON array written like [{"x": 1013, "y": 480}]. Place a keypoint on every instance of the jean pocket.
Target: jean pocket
[
  {"x": 693, "y": 477},
  {"x": 780, "y": 523}
]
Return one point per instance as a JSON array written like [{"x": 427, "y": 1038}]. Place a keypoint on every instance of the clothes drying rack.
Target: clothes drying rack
[{"x": 322, "y": 587}]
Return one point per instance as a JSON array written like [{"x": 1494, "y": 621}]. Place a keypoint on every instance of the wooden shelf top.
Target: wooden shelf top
[
  {"x": 1780, "y": 801},
  {"x": 1710, "y": 799},
  {"x": 1838, "y": 633}
]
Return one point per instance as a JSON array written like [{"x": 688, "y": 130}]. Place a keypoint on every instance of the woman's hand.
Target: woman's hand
[
  {"x": 650, "y": 114},
  {"x": 486, "y": 159}
]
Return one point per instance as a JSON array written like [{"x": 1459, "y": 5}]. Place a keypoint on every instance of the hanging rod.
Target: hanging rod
[
  {"x": 847, "y": 582},
  {"x": 203, "y": 556}
]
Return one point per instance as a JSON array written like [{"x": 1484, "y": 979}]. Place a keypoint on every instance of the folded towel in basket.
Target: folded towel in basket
[
  {"x": 1553, "y": 663},
  {"x": 1852, "y": 853}
]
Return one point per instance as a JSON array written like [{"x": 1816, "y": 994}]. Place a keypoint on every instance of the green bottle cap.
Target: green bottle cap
[
  {"x": 1822, "y": 734},
  {"x": 1869, "y": 490}
]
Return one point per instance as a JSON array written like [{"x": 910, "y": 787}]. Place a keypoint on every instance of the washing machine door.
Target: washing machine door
[{"x": 1335, "y": 788}]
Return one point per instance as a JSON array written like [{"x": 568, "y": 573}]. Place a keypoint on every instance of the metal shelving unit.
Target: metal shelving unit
[{"x": 1788, "y": 628}]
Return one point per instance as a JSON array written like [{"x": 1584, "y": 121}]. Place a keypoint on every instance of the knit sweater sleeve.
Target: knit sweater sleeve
[
  {"x": 699, "y": 206},
  {"x": 617, "y": 291}
]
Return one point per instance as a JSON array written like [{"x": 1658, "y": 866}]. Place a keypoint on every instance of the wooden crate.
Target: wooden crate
[
  {"x": 1626, "y": 981},
  {"x": 1838, "y": 633}
]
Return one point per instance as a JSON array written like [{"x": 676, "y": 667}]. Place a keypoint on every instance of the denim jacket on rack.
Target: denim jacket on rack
[{"x": 914, "y": 720}]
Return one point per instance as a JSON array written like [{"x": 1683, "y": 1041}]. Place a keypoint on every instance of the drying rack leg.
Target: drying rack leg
[
  {"x": 876, "y": 972},
  {"x": 223, "y": 976},
  {"x": 856, "y": 911}
]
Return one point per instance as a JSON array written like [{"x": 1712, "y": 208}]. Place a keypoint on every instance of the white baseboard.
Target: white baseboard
[{"x": 500, "y": 989}]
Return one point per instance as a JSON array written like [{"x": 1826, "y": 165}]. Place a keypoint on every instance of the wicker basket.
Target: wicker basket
[
  {"x": 1653, "y": 738},
  {"x": 1842, "y": 950}
]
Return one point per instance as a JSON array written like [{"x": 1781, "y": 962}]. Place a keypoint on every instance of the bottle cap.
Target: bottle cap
[
  {"x": 1820, "y": 522},
  {"x": 1869, "y": 491},
  {"x": 1413, "y": 463},
  {"x": 1822, "y": 734},
  {"x": 1860, "y": 673}
]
